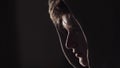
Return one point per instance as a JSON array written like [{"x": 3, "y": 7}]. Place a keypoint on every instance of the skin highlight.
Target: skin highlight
[{"x": 75, "y": 39}]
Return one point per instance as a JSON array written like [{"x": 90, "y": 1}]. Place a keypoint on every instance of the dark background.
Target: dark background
[{"x": 29, "y": 38}]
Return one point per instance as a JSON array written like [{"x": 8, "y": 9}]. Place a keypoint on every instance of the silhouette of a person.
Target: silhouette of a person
[{"x": 72, "y": 37}]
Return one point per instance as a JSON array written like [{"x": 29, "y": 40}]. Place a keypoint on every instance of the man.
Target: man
[
  {"x": 88, "y": 26},
  {"x": 73, "y": 39}
]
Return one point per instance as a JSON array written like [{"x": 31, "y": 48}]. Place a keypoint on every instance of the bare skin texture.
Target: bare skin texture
[{"x": 72, "y": 38}]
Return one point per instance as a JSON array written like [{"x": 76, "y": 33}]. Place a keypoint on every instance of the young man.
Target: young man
[
  {"x": 89, "y": 31},
  {"x": 71, "y": 34}
]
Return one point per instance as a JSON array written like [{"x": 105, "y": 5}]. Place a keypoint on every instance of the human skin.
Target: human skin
[{"x": 72, "y": 37}]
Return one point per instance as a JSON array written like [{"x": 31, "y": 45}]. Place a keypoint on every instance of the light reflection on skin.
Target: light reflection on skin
[{"x": 76, "y": 40}]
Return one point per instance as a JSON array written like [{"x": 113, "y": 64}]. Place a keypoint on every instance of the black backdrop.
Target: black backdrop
[{"x": 29, "y": 39}]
